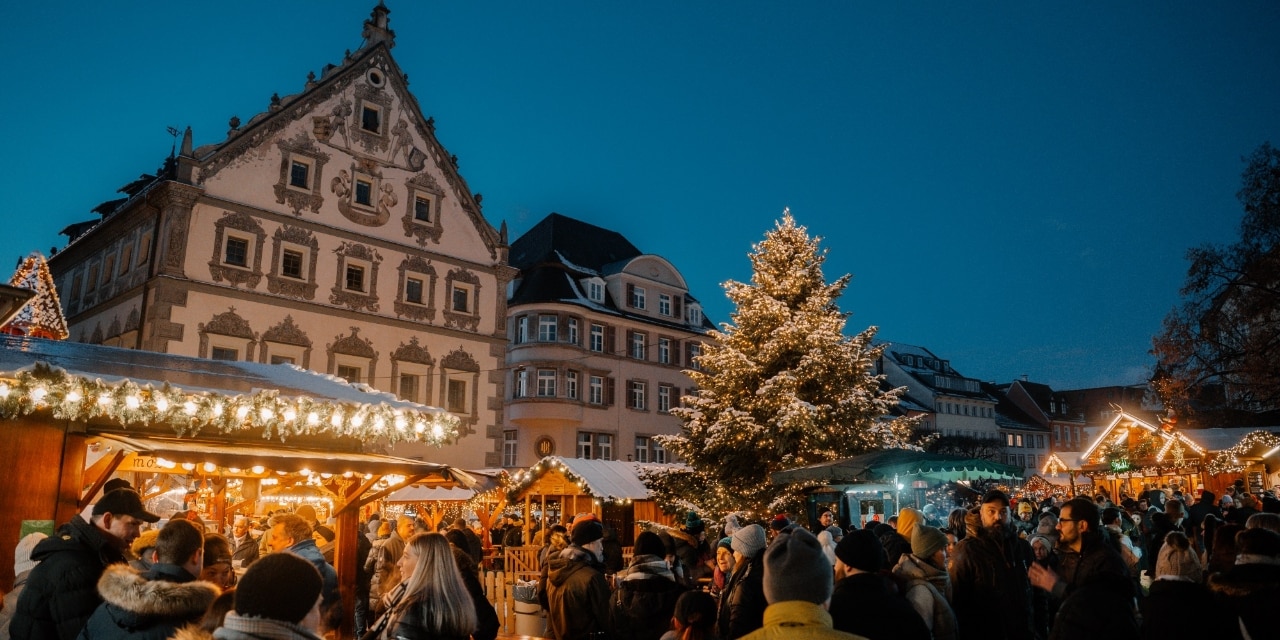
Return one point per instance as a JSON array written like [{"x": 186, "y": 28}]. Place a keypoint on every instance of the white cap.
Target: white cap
[{"x": 22, "y": 553}]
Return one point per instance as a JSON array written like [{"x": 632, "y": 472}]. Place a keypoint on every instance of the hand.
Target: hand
[{"x": 1043, "y": 577}]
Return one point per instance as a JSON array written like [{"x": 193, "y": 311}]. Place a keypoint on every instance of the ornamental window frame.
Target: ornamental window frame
[
  {"x": 243, "y": 227},
  {"x": 288, "y": 239},
  {"x": 423, "y": 187},
  {"x": 354, "y": 254},
  {"x": 416, "y": 268},
  {"x": 300, "y": 150},
  {"x": 464, "y": 280}
]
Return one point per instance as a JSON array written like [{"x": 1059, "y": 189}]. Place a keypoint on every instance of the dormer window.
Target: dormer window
[
  {"x": 637, "y": 297},
  {"x": 664, "y": 304},
  {"x": 595, "y": 289},
  {"x": 695, "y": 315}
]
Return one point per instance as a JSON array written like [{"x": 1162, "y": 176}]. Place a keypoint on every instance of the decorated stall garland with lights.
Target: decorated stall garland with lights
[{"x": 1228, "y": 461}]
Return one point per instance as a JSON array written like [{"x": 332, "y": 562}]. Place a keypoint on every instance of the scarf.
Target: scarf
[
  {"x": 646, "y": 566},
  {"x": 265, "y": 628}
]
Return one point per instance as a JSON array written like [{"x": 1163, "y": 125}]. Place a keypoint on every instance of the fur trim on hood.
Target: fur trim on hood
[
  {"x": 125, "y": 588},
  {"x": 192, "y": 632},
  {"x": 1245, "y": 579}
]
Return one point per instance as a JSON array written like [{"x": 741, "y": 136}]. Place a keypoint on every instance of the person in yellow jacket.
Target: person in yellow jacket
[{"x": 797, "y": 585}]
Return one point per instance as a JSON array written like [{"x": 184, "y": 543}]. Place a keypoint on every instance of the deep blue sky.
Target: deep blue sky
[{"x": 1013, "y": 185}]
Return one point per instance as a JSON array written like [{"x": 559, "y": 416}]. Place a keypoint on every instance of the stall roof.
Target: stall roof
[
  {"x": 430, "y": 494},
  {"x": 292, "y": 459},
  {"x": 609, "y": 479},
  {"x": 881, "y": 466}
]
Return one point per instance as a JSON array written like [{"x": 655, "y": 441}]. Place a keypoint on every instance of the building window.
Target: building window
[
  {"x": 664, "y": 398},
  {"x": 364, "y": 192},
  {"x": 659, "y": 453},
  {"x": 237, "y": 252},
  {"x": 585, "y": 448},
  {"x": 355, "y": 278},
  {"x": 461, "y": 299},
  {"x": 595, "y": 390},
  {"x": 220, "y": 353},
  {"x": 422, "y": 208},
  {"x": 695, "y": 350},
  {"x": 642, "y": 449},
  {"x": 300, "y": 175},
  {"x": 636, "y": 395},
  {"x": 1039, "y": 441},
  {"x": 508, "y": 448},
  {"x": 413, "y": 290},
  {"x": 597, "y": 338},
  {"x": 1008, "y": 439},
  {"x": 604, "y": 446},
  {"x": 571, "y": 385},
  {"x": 595, "y": 291},
  {"x": 282, "y": 360},
  {"x": 546, "y": 383},
  {"x": 408, "y": 387},
  {"x": 572, "y": 325},
  {"x": 664, "y": 304},
  {"x": 695, "y": 315},
  {"x": 348, "y": 373},
  {"x": 547, "y": 328},
  {"x": 637, "y": 345},
  {"x": 457, "y": 396},
  {"x": 1017, "y": 440},
  {"x": 522, "y": 330},
  {"x": 664, "y": 351},
  {"x": 291, "y": 264},
  {"x": 370, "y": 119},
  {"x": 637, "y": 297}
]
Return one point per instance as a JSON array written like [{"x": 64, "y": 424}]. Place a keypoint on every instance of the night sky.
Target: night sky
[{"x": 1013, "y": 185}]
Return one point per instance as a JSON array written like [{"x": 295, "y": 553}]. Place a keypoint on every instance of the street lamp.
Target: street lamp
[{"x": 897, "y": 496}]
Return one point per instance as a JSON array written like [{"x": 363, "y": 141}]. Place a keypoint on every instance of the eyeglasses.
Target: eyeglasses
[{"x": 1068, "y": 519}]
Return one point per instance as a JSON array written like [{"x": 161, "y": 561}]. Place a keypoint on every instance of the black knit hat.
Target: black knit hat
[
  {"x": 586, "y": 529},
  {"x": 648, "y": 543},
  {"x": 861, "y": 550},
  {"x": 281, "y": 586}
]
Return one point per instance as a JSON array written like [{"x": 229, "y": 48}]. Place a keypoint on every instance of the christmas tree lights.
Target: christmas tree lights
[{"x": 41, "y": 316}]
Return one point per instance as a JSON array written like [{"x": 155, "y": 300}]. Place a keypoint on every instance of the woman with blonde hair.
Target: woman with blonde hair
[{"x": 431, "y": 601}]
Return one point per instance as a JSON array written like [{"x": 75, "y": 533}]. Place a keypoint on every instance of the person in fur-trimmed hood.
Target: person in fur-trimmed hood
[
  {"x": 155, "y": 603},
  {"x": 645, "y": 599},
  {"x": 1251, "y": 588}
]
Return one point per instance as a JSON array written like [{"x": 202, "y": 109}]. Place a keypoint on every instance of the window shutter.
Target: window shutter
[
  {"x": 610, "y": 390},
  {"x": 676, "y": 346},
  {"x": 677, "y": 306},
  {"x": 631, "y": 291},
  {"x": 562, "y": 330},
  {"x": 610, "y": 338}
]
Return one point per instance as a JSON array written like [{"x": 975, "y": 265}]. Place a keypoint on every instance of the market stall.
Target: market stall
[{"x": 217, "y": 433}]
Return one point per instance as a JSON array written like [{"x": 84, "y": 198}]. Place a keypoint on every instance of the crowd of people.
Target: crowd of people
[{"x": 1146, "y": 566}]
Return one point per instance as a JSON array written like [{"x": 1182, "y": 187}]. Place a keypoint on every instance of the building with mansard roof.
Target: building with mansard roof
[
  {"x": 600, "y": 334},
  {"x": 332, "y": 231}
]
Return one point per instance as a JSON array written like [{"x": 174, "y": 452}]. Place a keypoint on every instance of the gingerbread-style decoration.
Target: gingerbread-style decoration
[
  {"x": 288, "y": 333},
  {"x": 468, "y": 319},
  {"x": 460, "y": 360},
  {"x": 353, "y": 345},
  {"x": 375, "y": 98}
]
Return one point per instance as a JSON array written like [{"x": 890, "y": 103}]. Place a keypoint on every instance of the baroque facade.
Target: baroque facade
[
  {"x": 332, "y": 232},
  {"x": 600, "y": 335}
]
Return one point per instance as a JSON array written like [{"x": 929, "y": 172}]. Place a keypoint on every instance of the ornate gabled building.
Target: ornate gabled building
[
  {"x": 600, "y": 334},
  {"x": 332, "y": 231}
]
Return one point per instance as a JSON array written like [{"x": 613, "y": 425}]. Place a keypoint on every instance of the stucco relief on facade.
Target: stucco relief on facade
[
  {"x": 287, "y": 332},
  {"x": 363, "y": 197},
  {"x": 424, "y": 310},
  {"x": 469, "y": 319},
  {"x": 414, "y": 227},
  {"x": 353, "y": 345},
  {"x": 230, "y": 324},
  {"x": 371, "y": 141},
  {"x": 367, "y": 298},
  {"x": 413, "y": 352},
  {"x": 237, "y": 275},
  {"x": 302, "y": 288},
  {"x": 298, "y": 198}
]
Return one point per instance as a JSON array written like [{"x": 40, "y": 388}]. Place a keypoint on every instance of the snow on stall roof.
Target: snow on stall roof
[
  {"x": 111, "y": 364},
  {"x": 416, "y": 493},
  {"x": 615, "y": 479}
]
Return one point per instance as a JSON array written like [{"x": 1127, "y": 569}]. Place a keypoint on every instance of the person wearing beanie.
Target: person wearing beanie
[
  {"x": 1176, "y": 605},
  {"x": 742, "y": 605},
  {"x": 825, "y": 519},
  {"x": 279, "y": 596},
  {"x": 577, "y": 592},
  {"x": 1251, "y": 587},
  {"x": 22, "y": 566},
  {"x": 646, "y": 593},
  {"x": 991, "y": 594},
  {"x": 797, "y": 587},
  {"x": 780, "y": 522},
  {"x": 862, "y": 602},
  {"x": 61, "y": 591},
  {"x": 691, "y": 549},
  {"x": 291, "y": 533},
  {"x": 724, "y": 566},
  {"x": 924, "y": 582},
  {"x": 155, "y": 603}
]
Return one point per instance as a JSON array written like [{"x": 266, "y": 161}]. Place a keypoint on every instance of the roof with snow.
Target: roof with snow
[
  {"x": 604, "y": 479},
  {"x": 1009, "y": 415}
]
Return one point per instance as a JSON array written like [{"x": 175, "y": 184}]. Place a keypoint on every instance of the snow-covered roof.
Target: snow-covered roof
[
  {"x": 430, "y": 494},
  {"x": 606, "y": 479}
]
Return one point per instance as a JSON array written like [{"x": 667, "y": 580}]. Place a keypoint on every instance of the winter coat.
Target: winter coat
[
  {"x": 308, "y": 551},
  {"x": 1095, "y": 560},
  {"x": 235, "y": 627},
  {"x": 62, "y": 591},
  {"x": 385, "y": 573},
  {"x": 611, "y": 551},
  {"x": 486, "y": 617},
  {"x": 693, "y": 554},
  {"x": 645, "y": 599},
  {"x": 513, "y": 537},
  {"x": 895, "y": 546},
  {"x": 797, "y": 620},
  {"x": 410, "y": 623},
  {"x": 863, "y": 604},
  {"x": 577, "y": 596},
  {"x": 926, "y": 588},
  {"x": 152, "y": 604},
  {"x": 246, "y": 551},
  {"x": 1251, "y": 592},
  {"x": 1184, "y": 609},
  {"x": 742, "y": 605},
  {"x": 991, "y": 594},
  {"x": 1102, "y": 608},
  {"x": 11, "y": 603}
]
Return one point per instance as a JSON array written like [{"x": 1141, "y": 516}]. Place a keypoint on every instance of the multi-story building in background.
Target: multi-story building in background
[
  {"x": 599, "y": 336},
  {"x": 1064, "y": 422},
  {"x": 331, "y": 231}
]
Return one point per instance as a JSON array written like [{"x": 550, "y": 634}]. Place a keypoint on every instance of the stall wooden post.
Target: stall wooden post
[
  {"x": 528, "y": 521},
  {"x": 344, "y": 558}
]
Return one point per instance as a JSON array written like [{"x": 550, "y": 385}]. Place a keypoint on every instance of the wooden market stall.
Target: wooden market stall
[{"x": 74, "y": 415}]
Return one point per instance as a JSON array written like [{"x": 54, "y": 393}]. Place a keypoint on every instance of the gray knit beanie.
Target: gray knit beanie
[
  {"x": 749, "y": 540},
  {"x": 796, "y": 569}
]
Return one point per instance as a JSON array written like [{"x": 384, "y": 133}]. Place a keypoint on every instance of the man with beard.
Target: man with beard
[
  {"x": 991, "y": 595},
  {"x": 577, "y": 593},
  {"x": 1096, "y": 595}
]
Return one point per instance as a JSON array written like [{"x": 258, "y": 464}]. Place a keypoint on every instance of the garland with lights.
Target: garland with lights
[
  {"x": 76, "y": 398},
  {"x": 524, "y": 479},
  {"x": 41, "y": 316},
  {"x": 1228, "y": 461}
]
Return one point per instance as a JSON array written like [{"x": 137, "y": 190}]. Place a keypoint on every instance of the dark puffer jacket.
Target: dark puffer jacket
[
  {"x": 62, "y": 591},
  {"x": 743, "y": 604},
  {"x": 1251, "y": 592},
  {"x": 486, "y": 617},
  {"x": 645, "y": 599},
  {"x": 577, "y": 596},
  {"x": 991, "y": 594},
  {"x": 150, "y": 605},
  {"x": 863, "y": 604}
]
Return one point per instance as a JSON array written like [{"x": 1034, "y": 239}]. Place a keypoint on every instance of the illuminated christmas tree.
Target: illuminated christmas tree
[
  {"x": 41, "y": 317},
  {"x": 781, "y": 387}
]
